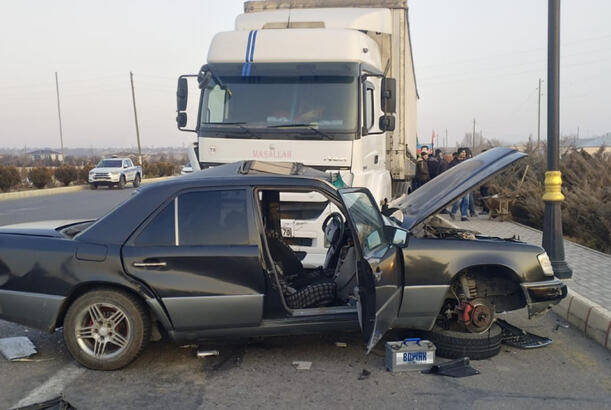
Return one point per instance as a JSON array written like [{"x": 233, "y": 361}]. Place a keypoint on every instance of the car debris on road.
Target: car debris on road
[
  {"x": 302, "y": 365},
  {"x": 14, "y": 348}
]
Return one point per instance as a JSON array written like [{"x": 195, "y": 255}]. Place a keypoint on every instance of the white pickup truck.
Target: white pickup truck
[{"x": 115, "y": 171}]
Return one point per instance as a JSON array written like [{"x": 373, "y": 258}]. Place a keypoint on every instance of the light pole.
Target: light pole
[{"x": 552, "y": 219}]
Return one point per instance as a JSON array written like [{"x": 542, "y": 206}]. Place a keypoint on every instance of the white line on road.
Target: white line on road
[{"x": 53, "y": 387}]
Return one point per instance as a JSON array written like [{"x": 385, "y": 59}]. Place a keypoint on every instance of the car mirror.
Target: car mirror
[
  {"x": 181, "y": 119},
  {"x": 399, "y": 237},
  {"x": 182, "y": 94},
  {"x": 387, "y": 123}
]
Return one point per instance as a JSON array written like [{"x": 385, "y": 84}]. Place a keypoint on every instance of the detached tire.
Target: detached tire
[
  {"x": 476, "y": 346},
  {"x": 106, "y": 329}
]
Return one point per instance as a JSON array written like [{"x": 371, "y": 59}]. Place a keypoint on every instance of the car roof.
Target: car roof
[{"x": 116, "y": 226}]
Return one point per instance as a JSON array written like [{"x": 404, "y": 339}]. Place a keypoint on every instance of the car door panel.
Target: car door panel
[
  {"x": 191, "y": 274},
  {"x": 380, "y": 270},
  {"x": 205, "y": 268}
]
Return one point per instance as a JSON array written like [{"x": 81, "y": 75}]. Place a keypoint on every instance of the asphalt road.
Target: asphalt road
[
  {"x": 574, "y": 372},
  {"x": 74, "y": 205}
]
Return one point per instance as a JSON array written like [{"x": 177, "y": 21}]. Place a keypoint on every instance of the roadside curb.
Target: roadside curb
[
  {"x": 589, "y": 317},
  {"x": 62, "y": 190}
]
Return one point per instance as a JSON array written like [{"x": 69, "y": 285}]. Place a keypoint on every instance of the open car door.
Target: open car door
[{"x": 380, "y": 267}]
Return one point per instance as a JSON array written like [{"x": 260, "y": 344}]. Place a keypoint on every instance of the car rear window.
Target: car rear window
[
  {"x": 213, "y": 218},
  {"x": 160, "y": 231}
]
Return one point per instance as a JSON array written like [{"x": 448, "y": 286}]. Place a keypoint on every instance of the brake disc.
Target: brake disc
[{"x": 482, "y": 316}]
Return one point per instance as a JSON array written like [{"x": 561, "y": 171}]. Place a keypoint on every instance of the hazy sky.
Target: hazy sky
[{"x": 474, "y": 59}]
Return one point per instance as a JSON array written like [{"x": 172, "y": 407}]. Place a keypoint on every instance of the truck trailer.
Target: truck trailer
[{"x": 327, "y": 83}]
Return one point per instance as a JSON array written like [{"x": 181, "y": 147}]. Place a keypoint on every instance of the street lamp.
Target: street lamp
[{"x": 552, "y": 219}]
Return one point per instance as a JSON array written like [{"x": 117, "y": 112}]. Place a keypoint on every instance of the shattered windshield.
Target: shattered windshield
[{"x": 282, "y": 99}]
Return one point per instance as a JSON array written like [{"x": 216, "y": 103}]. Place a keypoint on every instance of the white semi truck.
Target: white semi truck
[{"x": 328, "y": 83}]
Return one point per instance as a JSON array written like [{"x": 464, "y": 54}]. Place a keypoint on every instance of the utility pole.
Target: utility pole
[
  {"x": 553, "y": 242},
  {"x": 131, "y": 79},
  {"x": 473, "y": 136},
  {"x": 59, "y": 114},
  {"x": 539, "y": 119},
  {"x": 446, "y": 144}
]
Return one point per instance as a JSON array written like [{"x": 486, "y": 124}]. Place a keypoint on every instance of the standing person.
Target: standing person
[
  {"x": 422, "y": 170},
  {"x": 483, "y": 192},
  {"x": 442, "y": 164},
  {"x": 433, "y": 164},
  {"x": 464, "y": 201},
  {"x": 471, "y": 195}
]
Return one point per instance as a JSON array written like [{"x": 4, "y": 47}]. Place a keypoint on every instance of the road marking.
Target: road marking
[{"x": 53, "y": 387}]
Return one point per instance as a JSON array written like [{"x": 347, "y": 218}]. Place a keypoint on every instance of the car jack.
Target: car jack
[
  {"x": 516, "y": 337},
  {"x": 455, "y": 368}
]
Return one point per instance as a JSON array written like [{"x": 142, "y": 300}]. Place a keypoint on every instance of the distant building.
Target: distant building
[
  {"x": 46, "y": 154},
  {"x": 592, "y": 145}
]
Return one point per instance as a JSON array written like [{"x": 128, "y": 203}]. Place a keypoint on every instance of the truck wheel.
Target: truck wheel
[
  {"x": 106, "y": 329},
  {"x": 476, "y": 346},
  {"x": 121, "y": 184},
  {"x": 136, "y": 182},
  {"x": 399, "y": 188},
  {"x": 93, "y": 186}
]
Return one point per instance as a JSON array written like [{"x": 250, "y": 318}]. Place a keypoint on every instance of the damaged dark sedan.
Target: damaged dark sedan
[{"x": 203, "y": 256}]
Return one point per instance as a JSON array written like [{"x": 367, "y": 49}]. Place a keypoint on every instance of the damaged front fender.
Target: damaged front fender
[{"x": 541, "y": 296}]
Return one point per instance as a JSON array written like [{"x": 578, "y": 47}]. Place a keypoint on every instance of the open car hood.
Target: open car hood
[{"x": 454, "y": 183}]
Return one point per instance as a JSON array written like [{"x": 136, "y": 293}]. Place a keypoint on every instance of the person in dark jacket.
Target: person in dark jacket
[
  {"x": 422, "y": 170},
  {"x": 442, "y": 164}
]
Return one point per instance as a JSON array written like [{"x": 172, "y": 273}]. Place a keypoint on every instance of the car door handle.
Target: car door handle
[{"x": 150, "y": 264}]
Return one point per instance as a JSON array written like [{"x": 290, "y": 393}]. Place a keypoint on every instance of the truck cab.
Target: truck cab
[{"x": 327, "y": 84}]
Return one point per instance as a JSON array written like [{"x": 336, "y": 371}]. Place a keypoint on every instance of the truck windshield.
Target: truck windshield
[
  {"x": 110, "y": 163},
  {"x": 281, "y": 101}
]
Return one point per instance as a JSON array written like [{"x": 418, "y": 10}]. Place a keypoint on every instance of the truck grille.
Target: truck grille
[{"x": 101, "y": 175}]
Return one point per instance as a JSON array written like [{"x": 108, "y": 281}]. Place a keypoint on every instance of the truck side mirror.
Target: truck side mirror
[
  {"x": 389, "y": 95},
  {"x": 181, "y": 119},
  {"x": 387, "y": 123},
  {"x": 182, "y": 94}
]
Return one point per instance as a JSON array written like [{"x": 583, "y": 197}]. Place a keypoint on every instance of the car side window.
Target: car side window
[
  {"x": 213, "y": 218},
  {"x": 160, "y": 231}
]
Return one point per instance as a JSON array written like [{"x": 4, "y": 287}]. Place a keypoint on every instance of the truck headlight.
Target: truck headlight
[
  {"x": 546, "y": 264},
  {"x": 115, "y": 174}
]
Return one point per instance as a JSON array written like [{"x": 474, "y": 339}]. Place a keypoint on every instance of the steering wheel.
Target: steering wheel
[{"x": 333, "y": 227}]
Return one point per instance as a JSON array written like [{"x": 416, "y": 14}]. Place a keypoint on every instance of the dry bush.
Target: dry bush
[
  {"x": 150, "y": 169},
  {"x": 165, "y": 169},
  {"x": 586, "y": 210},
  {"x": 40, "y": 176},
  {"x": 83, "y": 173},
  {"x": 9, "y": 177},
  {"x": 66, "y": 174}
]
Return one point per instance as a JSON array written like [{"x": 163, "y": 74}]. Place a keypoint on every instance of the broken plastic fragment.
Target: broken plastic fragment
[
  {"x": 17, "y": 347},
  {"x": 302, "y": 365}
]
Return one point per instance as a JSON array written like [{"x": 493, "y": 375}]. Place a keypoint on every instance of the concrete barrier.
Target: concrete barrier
[
  {"x": 61, "y": 190},
  {"x": 589, "y": 317}
]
